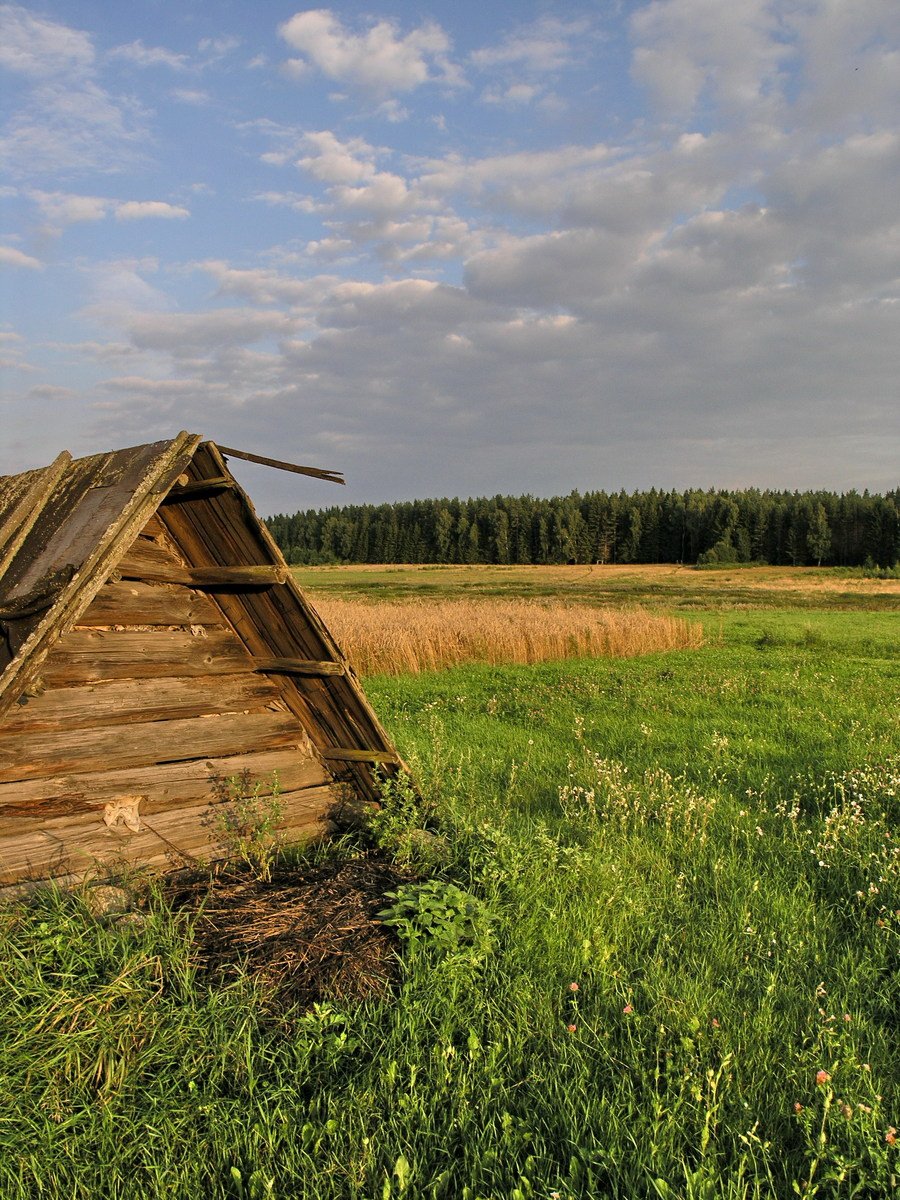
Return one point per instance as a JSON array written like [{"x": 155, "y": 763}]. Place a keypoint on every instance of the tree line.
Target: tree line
[{"x": 695, "y": 526}]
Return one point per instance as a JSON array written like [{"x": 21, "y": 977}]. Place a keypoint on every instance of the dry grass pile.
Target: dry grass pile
[
  {"x": 306, "y": 934},
  {"x": 398, "y": 639}
]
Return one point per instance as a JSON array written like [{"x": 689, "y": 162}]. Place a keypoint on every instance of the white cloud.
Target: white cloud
[
  {"x": 265, "y": 286},
  {"x": 10, "y": 257},
  {"x": 140, "y": 210},
  {"x": 182, "y": 334},
  {"x": 548, "y": 45},
  {"x": 40, "y": 48},
  {"x": 67, "y": 208},
  {"x": 191, "y": 96},
  {"x": 67, "y": 123},
  {"x": 139, "y": 55},
  {"x": 333, "y": 161},
  {"x": 214, "y": 49},
  {"x": 62, "y": 209},
  {"x": 380, "y": 60},
  {"x": 515, "y": 93}
]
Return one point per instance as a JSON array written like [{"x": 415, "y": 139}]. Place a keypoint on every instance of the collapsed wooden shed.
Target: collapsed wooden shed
[{"x": 152, "y": 642}]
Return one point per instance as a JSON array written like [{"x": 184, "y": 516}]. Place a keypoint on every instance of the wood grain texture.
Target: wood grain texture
[
  {"x": 147, "y": 743},
  {"x": 173, "y": 838},
  {"x": 168, "y": 786},
  {"x": 122, "y": 702},
  {"x": 136, "y": 603},
  {"x": 90, "y": 655}
]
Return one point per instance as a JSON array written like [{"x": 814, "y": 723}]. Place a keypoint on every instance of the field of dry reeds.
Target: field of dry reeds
[{"x": 394, "y": 638}]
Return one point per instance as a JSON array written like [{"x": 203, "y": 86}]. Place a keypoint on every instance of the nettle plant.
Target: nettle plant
[
  {"x": 405, "y": 825},
  {"x": 246, "y": 815},
  {"x": 439, "y": 914}
]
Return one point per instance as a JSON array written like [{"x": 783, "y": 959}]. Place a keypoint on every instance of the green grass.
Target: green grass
[{"x": 703, "y": 842}]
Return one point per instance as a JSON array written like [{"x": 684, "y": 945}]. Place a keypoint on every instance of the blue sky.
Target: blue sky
[{"x": 457, "y": 249}]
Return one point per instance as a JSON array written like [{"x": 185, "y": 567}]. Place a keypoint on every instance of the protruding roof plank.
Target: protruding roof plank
[{"x": 315, "y": 472}]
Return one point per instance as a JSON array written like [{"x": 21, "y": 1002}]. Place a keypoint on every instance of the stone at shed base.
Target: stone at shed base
[{"x": 104, "y": 900}]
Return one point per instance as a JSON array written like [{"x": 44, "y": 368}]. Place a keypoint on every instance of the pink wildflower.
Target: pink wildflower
[
  {"x": 822, "y": 1077},
  {"x": 798, "y": 1107},
  {"x": 629, "y": 1008},
  {"x": 715, "y": 1022},
  {"x": 571, "y": 1028},
  {"x": 573, "y": 987},
  {"x": 891, "y": 1136}
]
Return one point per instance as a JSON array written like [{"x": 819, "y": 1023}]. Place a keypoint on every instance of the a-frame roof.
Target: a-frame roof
[{"x": 65, "y": 530}]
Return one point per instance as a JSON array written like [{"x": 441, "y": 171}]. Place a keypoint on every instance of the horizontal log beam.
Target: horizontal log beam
[
  {"x": 198, "y": 488},
  {"x": 297, "y": 666},
  {"x": 211, "y": 577},
  {"x": 346, "y": 754}
]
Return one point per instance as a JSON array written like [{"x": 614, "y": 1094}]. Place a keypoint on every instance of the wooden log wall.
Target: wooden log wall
[
  {"x": 278, "y": 624},
  {"x": 113, "y": 754}
]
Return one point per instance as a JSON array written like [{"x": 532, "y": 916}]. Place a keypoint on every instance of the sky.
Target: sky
[{"x": 457, "y": 249}]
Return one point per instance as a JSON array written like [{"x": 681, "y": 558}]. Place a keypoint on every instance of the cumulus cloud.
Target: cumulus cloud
[
  {"x": 68, "y": 208},
  {"x": 686, "y": 49},
  {"x": 62, "y": 209},
  {"x": 141, "y": 210},
  {"x": 11, "y": 257},
  {"x": 139, "y": 55},
  {"x": 381, "y": 59}
]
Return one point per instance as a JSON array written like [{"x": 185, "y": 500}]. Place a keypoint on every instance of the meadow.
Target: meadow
[{"x": 658, "y": 957}]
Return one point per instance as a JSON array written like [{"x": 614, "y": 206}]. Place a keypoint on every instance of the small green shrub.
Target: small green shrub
[
  {"x": 246, "y": 815},
  {"x": 405, "y": 825},
  {"x": 437, "y": 913}
]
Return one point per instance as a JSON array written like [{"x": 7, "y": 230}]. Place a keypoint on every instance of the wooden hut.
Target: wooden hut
[{"x": 152, "y": 642}]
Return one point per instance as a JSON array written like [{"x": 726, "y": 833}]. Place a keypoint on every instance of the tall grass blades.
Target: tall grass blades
[{"x": 398, "y": 638}]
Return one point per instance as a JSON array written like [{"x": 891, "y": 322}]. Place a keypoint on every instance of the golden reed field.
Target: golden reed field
[{"x": 395, "y": 638}]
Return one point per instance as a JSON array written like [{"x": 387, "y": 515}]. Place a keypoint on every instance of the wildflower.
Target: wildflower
[
  {"x": 798, "y": 1107},
  {"x": 573, "y": 987},
  {"x": 571, "y": 1028},
  {"x": 891, "y": 1136},
  {"x": 822, "y": 1077},
  {"x": 847, "y": 1017},
  {"x": 715, "y": 1022},
  {"x": 629, "y": 1008},
  {"x": 847, "y": 1110},
  {"x": 866, "y": 1067}
]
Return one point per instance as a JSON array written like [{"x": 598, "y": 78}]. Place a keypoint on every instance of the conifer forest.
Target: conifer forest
[{"x": 697, "y": 527}]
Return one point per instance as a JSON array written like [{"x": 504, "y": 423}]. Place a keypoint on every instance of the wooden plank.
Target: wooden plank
[
  {"x": 198, "y": 488},
  {"x": 178, "y": 837},
  {"x": 22, "y": 519},
  {"x": 297, "y": 666},
  {"x": 122, "y": 702},
  {"x": 352, "y": 754},
  {"x": 146, "y": 742},
  {"x": 315, "y": 472},
  {"x": 135, "y": 603},
  {"x": 91, "y": 655},
  {"x": 147, "y": 552},
  {"x": 171, "y": 785}
]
